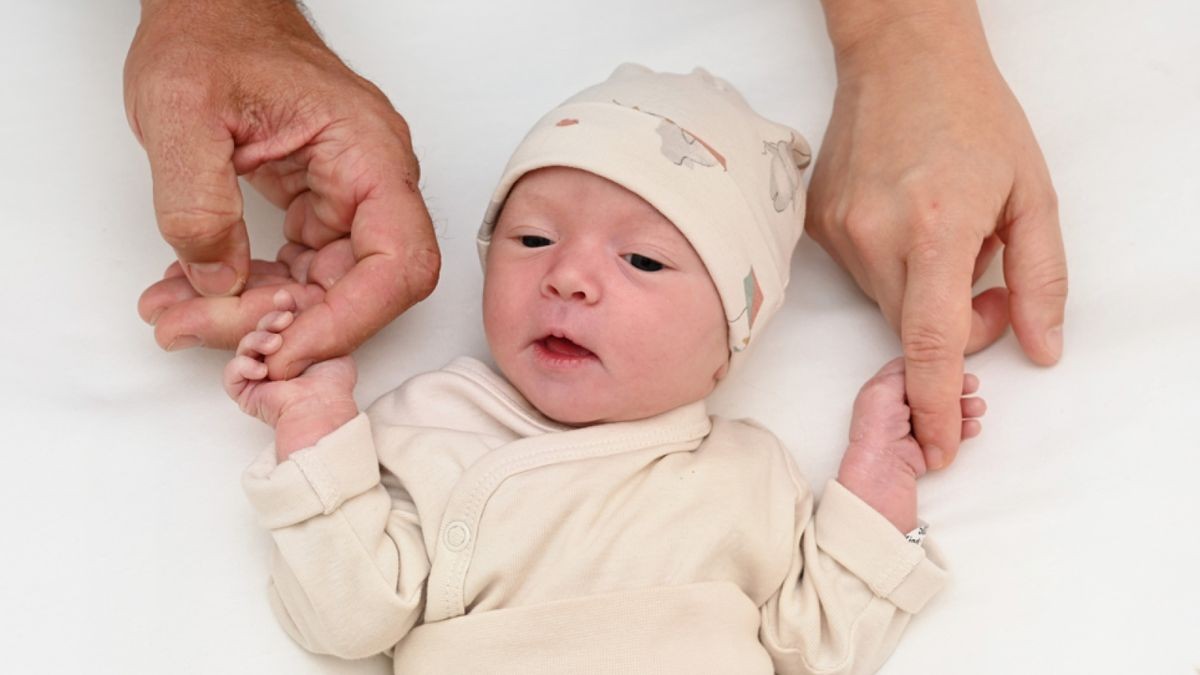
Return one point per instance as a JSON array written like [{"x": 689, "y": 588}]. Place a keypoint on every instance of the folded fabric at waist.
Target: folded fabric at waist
[{"x": 709, "y": 627}]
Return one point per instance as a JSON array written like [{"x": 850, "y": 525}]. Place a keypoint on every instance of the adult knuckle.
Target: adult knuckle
[
  {"x": 422, "y": 272},
  {"x": 821, "y": 210},
  {"x": 928, "y": 218},
  {"x": 861, "y": 223},
  {"x": 1047, "y": 278},
  {"x": 1053, "y": 284},
  {"x": 399, "y": 125},
  {"x": 931, "y": 251},
  {"x": 197, "y": 227},
  {"x": 925, "y": 345}
]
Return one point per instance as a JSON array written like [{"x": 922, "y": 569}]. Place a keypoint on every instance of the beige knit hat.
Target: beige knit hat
[{"x": 727, "y": 178}]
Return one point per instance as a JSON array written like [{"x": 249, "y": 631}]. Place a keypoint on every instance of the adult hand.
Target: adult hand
[
  {"x": 223, "y": 88},
  {"x": 928, "y": 167}
]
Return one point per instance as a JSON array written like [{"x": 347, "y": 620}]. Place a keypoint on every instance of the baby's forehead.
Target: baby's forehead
[{"x": 561, "y": 192}]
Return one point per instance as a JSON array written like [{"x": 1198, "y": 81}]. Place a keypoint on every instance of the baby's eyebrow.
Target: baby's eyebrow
[
  {"x": 541, "y": 198},
  {"x": 657, "y": 228}
]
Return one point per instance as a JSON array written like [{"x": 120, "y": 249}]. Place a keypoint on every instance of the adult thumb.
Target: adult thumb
[
  {"x": 1035, "y": 269},
  {"x": 197, "y": 201}
]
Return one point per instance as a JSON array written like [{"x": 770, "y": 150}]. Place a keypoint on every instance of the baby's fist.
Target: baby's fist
[
  {"x": 324, "y": 386},
  {"x": 884, "y": 460}
]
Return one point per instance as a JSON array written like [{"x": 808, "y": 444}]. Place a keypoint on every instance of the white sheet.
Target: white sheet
[{"x": 1070, "y": 525}]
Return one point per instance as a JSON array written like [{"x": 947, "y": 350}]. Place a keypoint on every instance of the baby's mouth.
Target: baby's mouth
[{"x": 563, "y": 347}]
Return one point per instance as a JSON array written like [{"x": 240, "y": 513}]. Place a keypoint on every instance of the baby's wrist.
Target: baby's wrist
[
  {"x": 303, "y": 425},
  {"x": 889, "y": 488}
]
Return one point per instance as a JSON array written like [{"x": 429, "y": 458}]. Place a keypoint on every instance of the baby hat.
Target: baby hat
[{"x": 727, "y": 178}]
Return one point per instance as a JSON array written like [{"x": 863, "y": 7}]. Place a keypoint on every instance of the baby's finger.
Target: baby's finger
[
  {"x": 276, "y": 321},
  {"x": 970, "y": 384},
  {"x": 971, "y": 428},
  {"x": 973, "y": 407},
  {"x": 284, "y": 300},
  {"x": 239, "y": 371},
  {"x": 259, "y": 343},
  {"x": 893, "y": 367}
]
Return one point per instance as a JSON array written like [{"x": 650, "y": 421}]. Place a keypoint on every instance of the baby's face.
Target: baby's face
[{"x": 596, "y": 308}]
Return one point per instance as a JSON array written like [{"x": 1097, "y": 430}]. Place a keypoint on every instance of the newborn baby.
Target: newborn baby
[{"x": 580, "y": 512}]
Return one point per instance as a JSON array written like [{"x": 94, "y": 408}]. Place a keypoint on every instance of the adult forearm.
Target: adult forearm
[
  {"x": 151, "y": 5},
  {"x": 868, "y": 32}
]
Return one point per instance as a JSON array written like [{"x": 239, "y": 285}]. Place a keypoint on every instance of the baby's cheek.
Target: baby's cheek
[
  {"x": 497, "y": 320},
  {"x": 705, "y": 358}
]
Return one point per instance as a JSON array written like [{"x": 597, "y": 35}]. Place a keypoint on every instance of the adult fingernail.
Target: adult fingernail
[
  {"x": 296, "y": 369},
  {"x": 184, "y": 342},
  {"x": 153, "y": 320},
  {"x": 1054, "y": 342},
  {"x": 934, "y": 457},
  {"x": 212, "y": 279}
]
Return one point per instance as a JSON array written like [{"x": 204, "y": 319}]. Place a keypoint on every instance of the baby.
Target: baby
[{"x": 583, "y": 513}]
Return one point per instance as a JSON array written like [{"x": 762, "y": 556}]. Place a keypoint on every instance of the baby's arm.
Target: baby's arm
[
  {"x": 855, "y": 580},
  {"x": 303, "y": 409},
  {"x": 349, "y": 565},
  {"x": 883, "y": 461}
]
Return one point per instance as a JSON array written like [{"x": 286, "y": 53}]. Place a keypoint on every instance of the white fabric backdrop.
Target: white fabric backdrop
[{"x": 1070, "y": 525}]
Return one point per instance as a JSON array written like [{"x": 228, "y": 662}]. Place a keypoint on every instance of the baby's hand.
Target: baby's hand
[
  {"x": 302, "y": 409},
  {"x": 883, "y": 460}
]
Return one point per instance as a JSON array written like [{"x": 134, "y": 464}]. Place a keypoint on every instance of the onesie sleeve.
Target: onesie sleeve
[
  {"x": 349, "y": 565},
  {"x": 852, "y": 586}
]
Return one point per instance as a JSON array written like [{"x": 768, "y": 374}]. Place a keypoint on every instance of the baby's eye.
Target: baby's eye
[
  {"x": 534, "y": 241},
  {"x": 643, "y": 263}
]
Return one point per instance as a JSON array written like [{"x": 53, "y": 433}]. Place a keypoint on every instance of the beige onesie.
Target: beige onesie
[{"x": 457, "y": 527}]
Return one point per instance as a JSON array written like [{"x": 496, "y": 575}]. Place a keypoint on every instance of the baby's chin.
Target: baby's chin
[
  {"x": 570, "y": 413},
  {"x": 585, "y": 413},
  {"x": 591, "y": 401}
]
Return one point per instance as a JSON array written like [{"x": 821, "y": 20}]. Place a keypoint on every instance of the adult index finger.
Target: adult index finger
[{"x": 934, "y": 327}]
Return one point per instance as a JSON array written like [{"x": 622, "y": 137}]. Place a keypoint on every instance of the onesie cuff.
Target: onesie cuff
[
  {"x": 867, "y": 544},
  {"x": 313, "y": 481}
]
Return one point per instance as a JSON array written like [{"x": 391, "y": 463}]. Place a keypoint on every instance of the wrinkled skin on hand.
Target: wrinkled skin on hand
[
  {"x": 231, "y": 88},
  {"x": 927, "y": 169}
]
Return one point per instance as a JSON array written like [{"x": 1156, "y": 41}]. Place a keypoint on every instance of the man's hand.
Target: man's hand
[
  {"x": 928, "y": 167},
  {"x": 223, "y": 88}
]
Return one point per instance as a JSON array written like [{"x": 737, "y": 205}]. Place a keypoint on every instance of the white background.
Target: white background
[{"x": 1071, "y": 525}]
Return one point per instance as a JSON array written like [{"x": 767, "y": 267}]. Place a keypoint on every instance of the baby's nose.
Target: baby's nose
[{"x": 573, "y": 278}]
